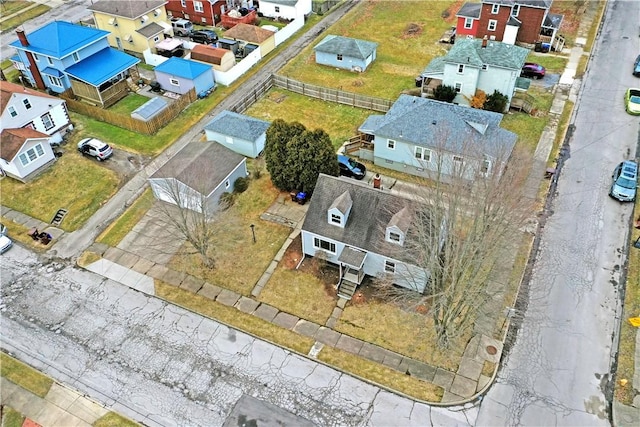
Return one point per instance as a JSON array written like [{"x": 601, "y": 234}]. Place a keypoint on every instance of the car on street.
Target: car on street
[
  {"x": 533, "y": 70},
  {"x": 625, "y": 181},
  {"x": 95, "y": 148},
  {"x": 5, "y": 241},
  {"x": 351, "y": 168},
  {"x": 632, "y": 101},
  {"x": 636, "y": 67},
  {"x": 204, "y": 36}
]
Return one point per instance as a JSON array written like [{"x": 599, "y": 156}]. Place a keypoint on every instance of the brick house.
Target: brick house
[
  {"x": 203, "y": 12},
  {"x": 509, "y": 21}
]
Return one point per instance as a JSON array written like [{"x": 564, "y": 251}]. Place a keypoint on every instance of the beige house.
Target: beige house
[
  {"x": 251, "y": 35},
  {"x": 221, "y": 59},
  {"x": 135, "y": 26}
]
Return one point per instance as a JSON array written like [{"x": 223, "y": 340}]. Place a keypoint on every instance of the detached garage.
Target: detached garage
[{"x": 198, "y": 175}]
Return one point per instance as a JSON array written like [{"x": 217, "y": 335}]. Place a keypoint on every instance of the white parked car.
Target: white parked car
[
  {"x": 95, "y": 148},
  {"x": 5, "y": 242}
]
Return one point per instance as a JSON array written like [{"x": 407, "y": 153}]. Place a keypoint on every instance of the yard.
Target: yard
[
  {"x": 407, "y": 33},
  {"x": 23, "y": 10}
]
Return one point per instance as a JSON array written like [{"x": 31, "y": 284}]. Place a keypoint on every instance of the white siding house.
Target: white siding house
[
  {"x": 24, "y": 153},
  {"x": 286, "y": 9}
]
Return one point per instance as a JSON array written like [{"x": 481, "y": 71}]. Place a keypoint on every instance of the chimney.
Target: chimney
[
  {"x": 22, "y": 36},
  {"x": 33, "y": 67},
  {"x": 484, "y": 42}
]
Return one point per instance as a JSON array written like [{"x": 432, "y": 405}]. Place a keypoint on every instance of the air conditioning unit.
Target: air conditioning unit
[{"x": 492, "y": 37}]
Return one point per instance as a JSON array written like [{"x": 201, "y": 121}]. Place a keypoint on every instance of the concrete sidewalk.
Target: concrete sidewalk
[{"x": 61, "y": 407}]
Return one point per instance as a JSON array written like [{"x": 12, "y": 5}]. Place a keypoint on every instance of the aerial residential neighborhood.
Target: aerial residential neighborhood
[{"x": 298, "y": 212}]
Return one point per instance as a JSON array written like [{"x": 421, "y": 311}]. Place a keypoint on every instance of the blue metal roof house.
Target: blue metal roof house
[
  {"x": 243, "y": 134},
  {"x": 181, "y": 75},
  {"x": 344, "y": 52},
  {"x": 438, "y": 140},
  {"x": 61, "y": 56}
]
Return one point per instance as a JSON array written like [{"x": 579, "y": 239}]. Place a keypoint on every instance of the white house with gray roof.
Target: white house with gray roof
[
  {"x": 243, "y": 134},
  {"x": 286, "y": 9},
  {"x": 345, "y": 52},
  {"x": 366, "y": 232},
  {"x": 438, "y": 140},
  {"x": 198, "y": 175},
  {"x": 475, "y": 64}
]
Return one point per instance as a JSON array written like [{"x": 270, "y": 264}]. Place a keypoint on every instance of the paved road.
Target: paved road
[
  {"x": 558, "y": 372},
  {"x": 162, "y": 365}
]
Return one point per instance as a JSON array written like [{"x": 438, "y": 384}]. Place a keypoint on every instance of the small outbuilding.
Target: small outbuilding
[
  {"x": 346, "y": 53},
  {"x": 220, "y": 59},
  {"x": 181, "y": 75},
  {"x": 243, "y": 134},
  {"x": 250, "y": 34},
  {"x": 198, "y": 175}
]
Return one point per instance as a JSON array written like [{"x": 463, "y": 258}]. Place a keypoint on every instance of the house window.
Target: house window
[
  {"x": 389, "y": 266},
  {"x": 36, "y": 57},
  {"x": 47, "y": 121},
  {"x": 324, "y": 245},
  {"x": 12, "y": 111},
  {"x": 468, "y": 23},
  {"x": 197, "y": 6},
  {"x": 55, "y": 81},
  {"x": 336, "y": 219},
  {"x": 516, "y": 10},
  {"x": 339, "y": 57},
  {"x": 227, "y": 184},
  {"x": 174, "y": 82},
  {"x": 26, "y": 103},
  {"x": 75, "y": 56},
  {"x": 31, "y": 155},
  {"x": 391, "y": 144},
  {"x": 458, "y": 159},
  {"x": 156, "y": 39},
  {"x": 485, "y": 168},
  {"x": 422, "y": 153},
  {"x": 485, "y": 67},
  {"x": 460, "y": 68},
  {"x": 277, "y": 9},
  {"x": 458, "y": 87},
  {"x": 183, "y": 3},
  {"x": 492, "y": 25},
  {"x": 394, "y": 237},
  {"x": 495, "y": 9},
  {"x": 49, "y": 60}
]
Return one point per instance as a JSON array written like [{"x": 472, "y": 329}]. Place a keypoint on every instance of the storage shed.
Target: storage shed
[
  {"x": 345, "y": 52},
  {"x": 181, "y": 75},
  {"x": 220, "y": 59}
]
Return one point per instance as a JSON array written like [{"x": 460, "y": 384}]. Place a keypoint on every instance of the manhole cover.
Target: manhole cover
[{"x": 491, "y": 350}]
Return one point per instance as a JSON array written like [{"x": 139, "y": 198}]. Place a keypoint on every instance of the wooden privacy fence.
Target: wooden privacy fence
[
  {"x": 252, "y": 95},
  {"x": 333, "y": 95},
  {"x": 126, "y": 121}
]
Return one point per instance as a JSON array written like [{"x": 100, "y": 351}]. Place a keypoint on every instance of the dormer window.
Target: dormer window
[
  {"x": 398, "y": 227},
  {"x": 394, "y": 237},
  {"x": 335, "y": 218},
  {"x": 339, "y": 210}
]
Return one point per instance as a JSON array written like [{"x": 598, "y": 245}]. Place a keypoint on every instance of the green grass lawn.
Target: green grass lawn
[
  {"x": 553, "y": 63},
  {"x": 128, "y": 104},
  {"x": 339, "y": 121},
  {"x": 10, "y": 7},
  {"x": 76, "y": 183},
  {"x": 111, "y": 419},
  {"x": 239, "y": 261},
  {"x": 407, "y": 33}
]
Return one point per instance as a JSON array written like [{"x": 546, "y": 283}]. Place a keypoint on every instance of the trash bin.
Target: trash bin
[{"x": 418, "y": 81}]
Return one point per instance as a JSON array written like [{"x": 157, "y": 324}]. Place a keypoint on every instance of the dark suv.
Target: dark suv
[
  {"x": 204, "y": 36},
  {"x": 349, "y": 167}
]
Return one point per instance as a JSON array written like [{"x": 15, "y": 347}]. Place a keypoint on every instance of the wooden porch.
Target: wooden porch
[
  {"x": 357, "y": 142},
  {"x": 103, "y": 98}
]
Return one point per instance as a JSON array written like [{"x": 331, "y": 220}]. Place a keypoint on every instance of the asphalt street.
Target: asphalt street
[
  {"x": 162, "y": 365},
  {"x": 558, "y": 372}
]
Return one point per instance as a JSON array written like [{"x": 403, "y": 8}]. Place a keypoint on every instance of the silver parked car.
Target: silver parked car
[{"x": 625, "y": 181}]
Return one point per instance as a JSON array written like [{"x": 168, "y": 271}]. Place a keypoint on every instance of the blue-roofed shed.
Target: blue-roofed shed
[
  {"x": 149, "y": 109},
  {"x": 181, "y": 75},
  {"x": 243, "y": 134}
]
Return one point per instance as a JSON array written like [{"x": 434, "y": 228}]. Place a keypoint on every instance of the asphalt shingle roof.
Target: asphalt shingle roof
[
  {"x": 11, "y": 140},
  {"x": 126, "y": 8},
  {"x": 197, "y": 159},
  {"x": 59, "y": 39},
  {"x": 496, "y": 54},
  {"x": 470, "y": 10},
  {"x": 354, "y": 48},
  {"x": 371, "y": 212},
  {"x": 151, "y": 30},
  {"x": 238, "y": 125},
  {"x": 183, "y": 68},
  {"x": 248, "y": 33},
  {"x": 442, "y": 126},
  {"x": 7, "y": 89}
]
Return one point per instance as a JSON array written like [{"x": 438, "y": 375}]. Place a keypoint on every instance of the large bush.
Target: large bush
[{"x": 445, "y": 93}]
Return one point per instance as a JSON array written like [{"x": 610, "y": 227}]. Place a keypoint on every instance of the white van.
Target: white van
[{"x": 181, "y": 27}]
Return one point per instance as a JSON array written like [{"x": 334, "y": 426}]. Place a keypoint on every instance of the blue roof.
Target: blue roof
[
  {"x": 52, "y": 72},
  {"x": 59, "y": 39},
  {"x": 101, "y": 66},
  {"x": 183, "y": 68}
]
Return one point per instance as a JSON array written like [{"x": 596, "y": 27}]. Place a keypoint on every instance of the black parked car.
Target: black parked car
[
  {"x": 351, "y": 168},
  {"x": 204, "y": 36},
  {"x": 532, "y": 70}
]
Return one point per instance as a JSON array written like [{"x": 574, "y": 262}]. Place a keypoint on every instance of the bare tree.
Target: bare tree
[
  {"x": 188, "y": 210},
  {"x": 468, "y": 212}
]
